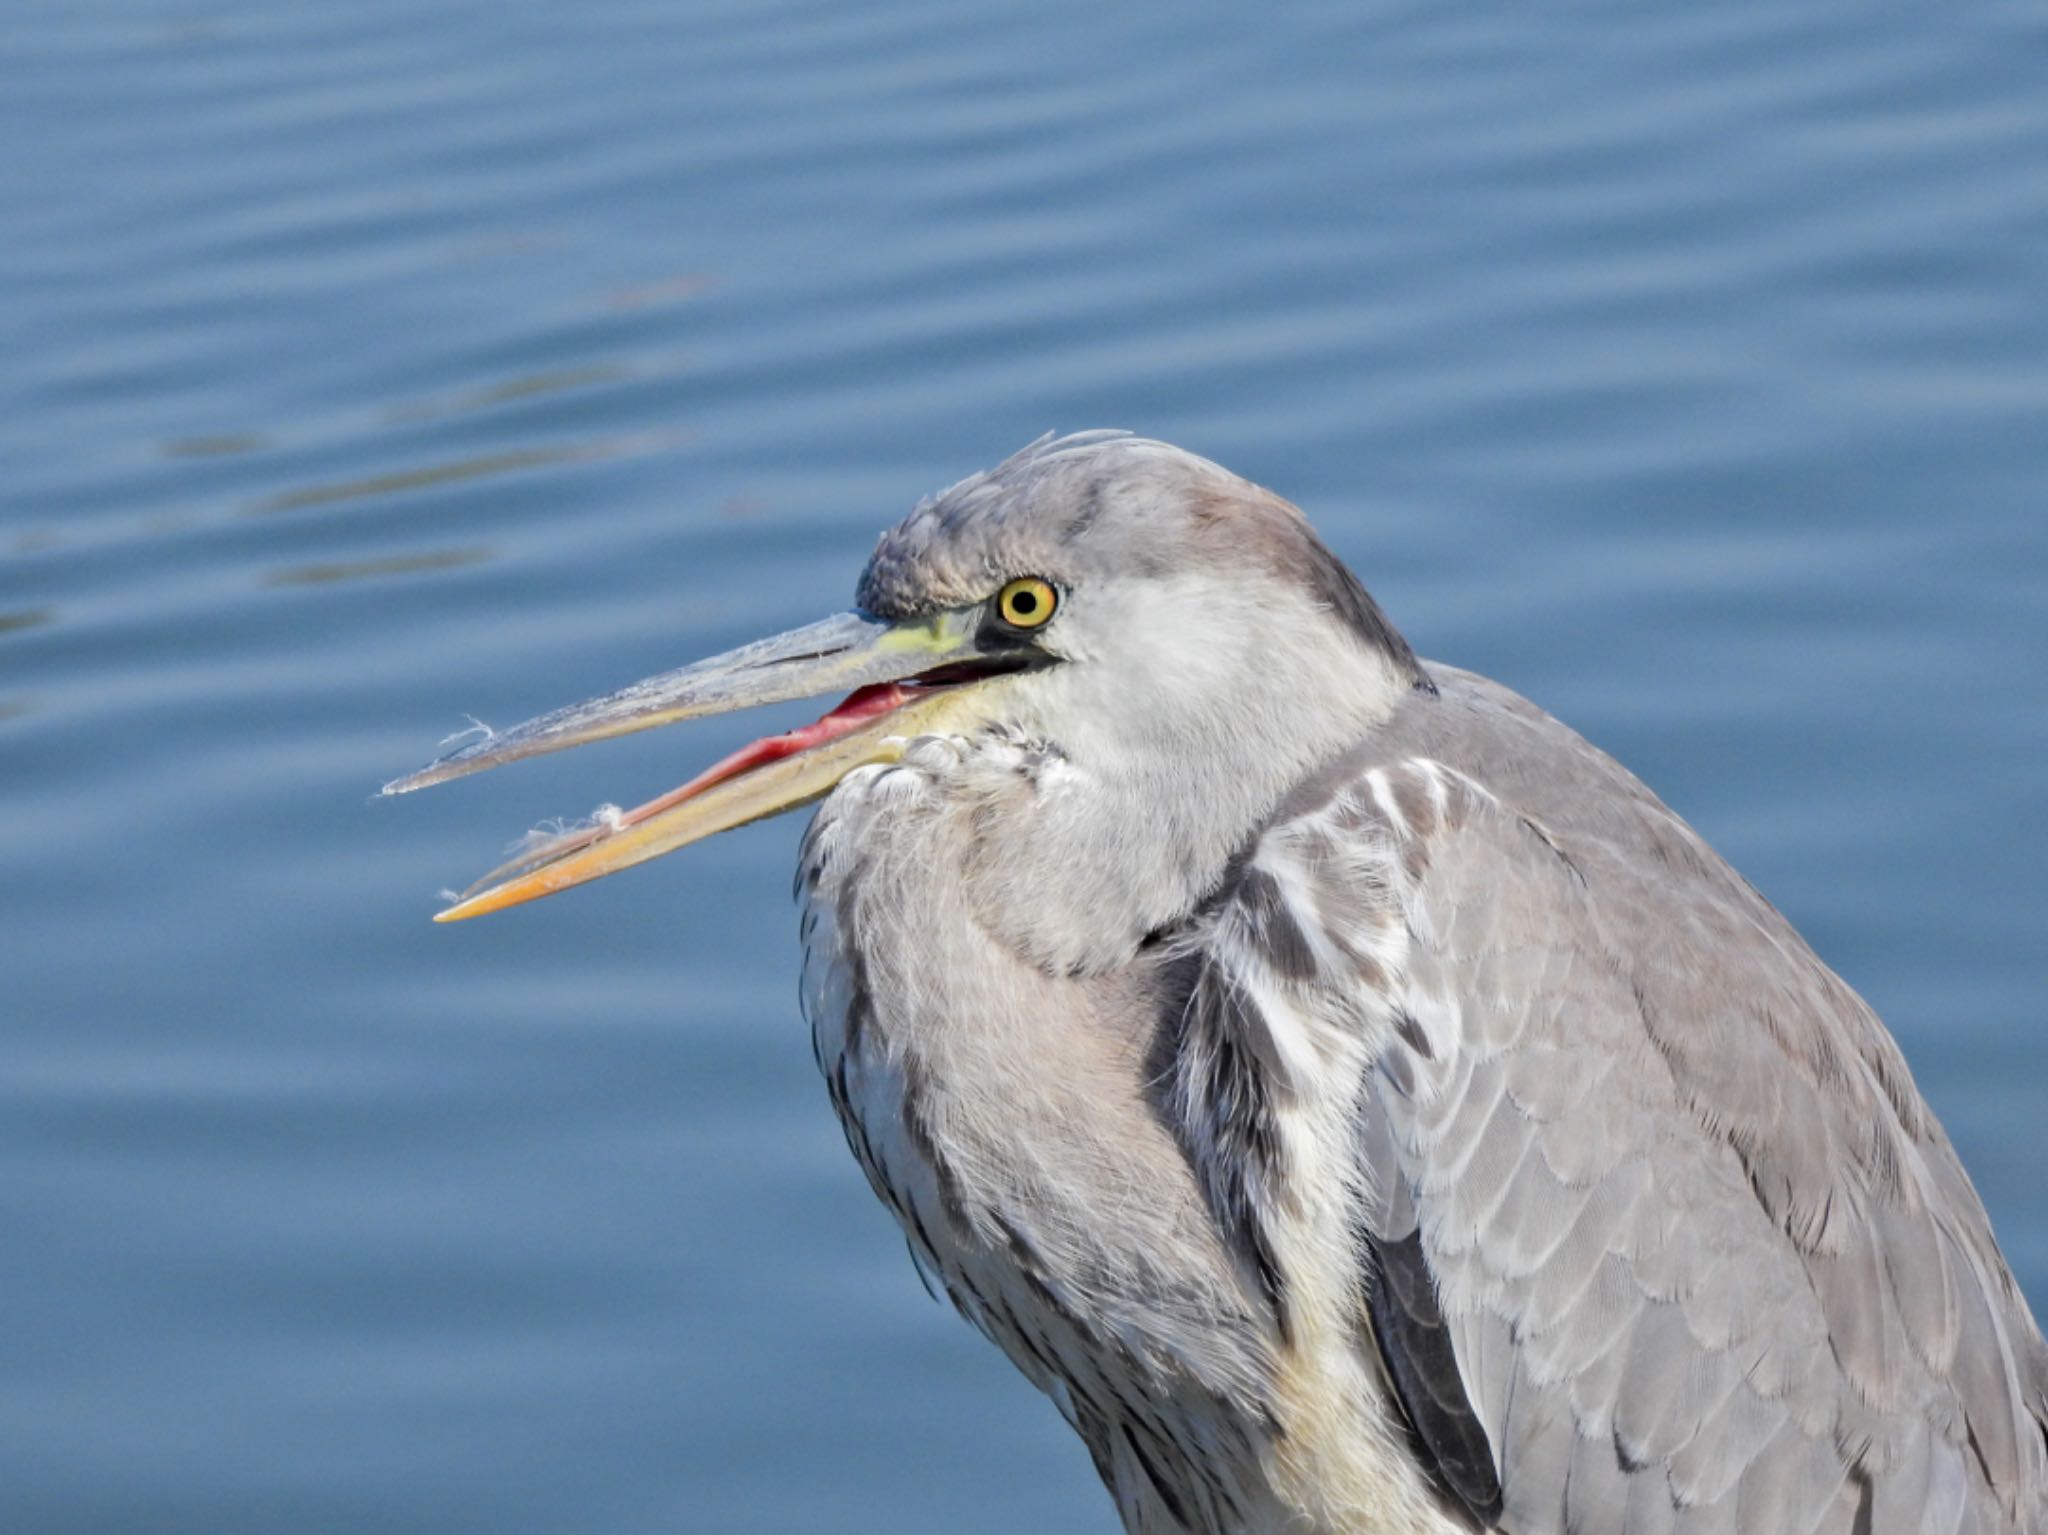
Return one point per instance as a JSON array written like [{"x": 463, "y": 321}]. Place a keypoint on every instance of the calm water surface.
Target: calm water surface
[{"x": 362, "y": 366}]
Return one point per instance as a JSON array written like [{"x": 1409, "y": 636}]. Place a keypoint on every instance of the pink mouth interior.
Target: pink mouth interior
[
  {"x": 852, "y": 712},
  {"x": 857, "y": 709}
]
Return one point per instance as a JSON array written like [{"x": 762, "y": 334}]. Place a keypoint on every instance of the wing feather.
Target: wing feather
[
  {"x": 1416, "y": 1344},
  {"x": 1665, "y": 1238}
]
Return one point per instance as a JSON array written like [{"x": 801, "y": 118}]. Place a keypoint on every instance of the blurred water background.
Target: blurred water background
[{"x": 365, "y": 365}]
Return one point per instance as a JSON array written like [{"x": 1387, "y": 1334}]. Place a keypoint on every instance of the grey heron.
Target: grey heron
[{"x": 1354, "y": 1099}]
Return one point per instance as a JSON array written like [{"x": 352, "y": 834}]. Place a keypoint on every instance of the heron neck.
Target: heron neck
[{"x": 1080, "y": 852}]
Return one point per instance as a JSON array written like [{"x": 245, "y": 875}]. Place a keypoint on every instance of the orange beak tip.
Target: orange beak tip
[{"x": 515, "y": 892}]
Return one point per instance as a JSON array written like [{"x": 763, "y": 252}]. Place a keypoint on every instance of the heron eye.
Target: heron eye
[{"x": 1026, "y": 603}]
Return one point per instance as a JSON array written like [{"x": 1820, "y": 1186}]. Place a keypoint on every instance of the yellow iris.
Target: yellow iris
[{"x": 1027, "y": 602}]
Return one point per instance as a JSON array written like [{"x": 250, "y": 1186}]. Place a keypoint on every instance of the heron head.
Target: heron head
[{"x": 1174, "y": 632}]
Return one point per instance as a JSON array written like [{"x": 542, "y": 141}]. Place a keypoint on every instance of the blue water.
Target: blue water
[{"x": 363, "y": 366}]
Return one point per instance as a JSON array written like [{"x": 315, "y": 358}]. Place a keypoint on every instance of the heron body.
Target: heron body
[{"x": 1358, "y": 1102}]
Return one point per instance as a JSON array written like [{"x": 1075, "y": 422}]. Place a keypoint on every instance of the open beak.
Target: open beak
[{"x": 906, "y": 680}]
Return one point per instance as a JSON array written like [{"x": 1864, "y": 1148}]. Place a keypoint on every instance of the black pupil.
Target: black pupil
[{"x": 1024, "y": 604}]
